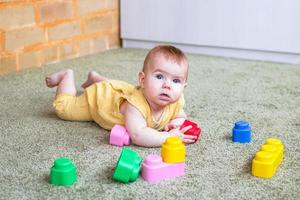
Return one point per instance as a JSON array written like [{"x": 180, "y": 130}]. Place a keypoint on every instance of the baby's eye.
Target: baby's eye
[
  {"x": 159, "y": 76},
  {"x": 176, "y": 81}
]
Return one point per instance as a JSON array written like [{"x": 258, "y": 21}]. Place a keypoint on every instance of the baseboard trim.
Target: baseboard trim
[{"x": 280, "y": 57}]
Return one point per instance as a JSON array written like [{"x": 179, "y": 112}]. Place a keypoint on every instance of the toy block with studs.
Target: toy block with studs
[
  {"x": 63, "y": 172},
  {"x": 268, "y": 158},
  {"x": 155, "y": 170},
  {"x": 195, "y": 130},
  {"x": 128, "y": 166},
  {"x": 173, "y": 150},
  {"x": 241, "y": 132},
  {"x": 119, "y": 136}
]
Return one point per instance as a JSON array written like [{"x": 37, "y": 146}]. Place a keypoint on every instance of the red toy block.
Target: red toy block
[{"x": 195, "y": 130}]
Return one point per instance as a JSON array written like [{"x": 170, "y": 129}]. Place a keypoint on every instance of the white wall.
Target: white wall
[{"x": 259, "y": 29}]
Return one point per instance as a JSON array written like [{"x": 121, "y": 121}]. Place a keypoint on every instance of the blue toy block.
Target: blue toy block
[{"x": 241, "y": 132}]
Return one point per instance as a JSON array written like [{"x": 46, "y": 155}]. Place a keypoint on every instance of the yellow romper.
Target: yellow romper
[{"x": 101, "y": 103}]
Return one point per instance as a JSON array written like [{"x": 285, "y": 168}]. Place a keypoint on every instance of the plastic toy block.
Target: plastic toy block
[
  {"x": 128, "y": 166},
  {"x": 173, "y": 150},
  {"x": 119, "y": 136},
  {"x": 195, "y": 130},
  {"x": 63, "y": 172},
  {"x": 241, "y": 132},
  {"x": 267, "y": 160},
  {"x": 279, "y": 145},
  {"x": 155, "y": 170}
]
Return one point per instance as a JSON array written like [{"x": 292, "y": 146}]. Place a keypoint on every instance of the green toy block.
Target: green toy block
[
  {"x": 128, "y": 166},
  {"x": 63, "y": 172}
]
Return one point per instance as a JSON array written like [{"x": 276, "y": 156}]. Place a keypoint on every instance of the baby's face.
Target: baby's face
[{"x": 163, "y": 81}]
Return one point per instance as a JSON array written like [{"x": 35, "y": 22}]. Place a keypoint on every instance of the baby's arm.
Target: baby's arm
[
  {"x": 139, "y": 133},
  {"x": 142, "y": 135},
  {"x": 176, "y": 122}
]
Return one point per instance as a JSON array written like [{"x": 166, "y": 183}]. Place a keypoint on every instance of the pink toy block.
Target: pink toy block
[
  {"x": 119, "y": 136},
  {"x": 155, "y": 170}
]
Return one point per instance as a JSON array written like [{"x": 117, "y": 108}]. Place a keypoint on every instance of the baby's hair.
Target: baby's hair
[{"x": 169, "y": 52}]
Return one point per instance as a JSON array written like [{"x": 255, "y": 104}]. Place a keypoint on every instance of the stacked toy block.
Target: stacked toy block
[
  {"x": 167, "y": 166},
  {"x": 268, "y": 158},
  {"x": 154, "y": 168}
]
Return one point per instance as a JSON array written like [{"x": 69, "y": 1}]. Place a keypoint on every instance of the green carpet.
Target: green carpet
[{"x": 220, "y": 92}]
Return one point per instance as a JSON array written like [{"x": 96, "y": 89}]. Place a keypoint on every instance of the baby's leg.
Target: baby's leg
[
  {"x": 93, "y": 77},
  {"x": 64, "y": 80}
]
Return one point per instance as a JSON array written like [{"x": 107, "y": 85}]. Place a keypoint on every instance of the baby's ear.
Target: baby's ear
[
  {"x": 141, "y": 79},
  {"x": 185, "y": 84}
]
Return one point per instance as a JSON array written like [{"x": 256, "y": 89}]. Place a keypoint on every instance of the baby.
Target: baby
[{"x": 151, "y": 112}]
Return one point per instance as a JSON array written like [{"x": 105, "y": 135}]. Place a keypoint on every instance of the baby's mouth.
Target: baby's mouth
[{"x": 164, "y": 96}]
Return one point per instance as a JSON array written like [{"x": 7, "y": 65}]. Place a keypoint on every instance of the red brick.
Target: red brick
[
  {"x": 29, "y": 59},
  {"x": 97, "y": 24},
  {"x": 93, "y": 45},
  {"x": 100, "y": 44},
  {"x": 113, "y": 4},
  {"x": 114, "y": 40},
  {"x": 1, "y": 41},
  {"x": 55, "y": 10},
  {"x": 23, "y": 37},
  {"x": 67, "y": 51},
  {"x": 48, "y": 55},
  {"x": 18, "y": 16},
  {"x": 89, "y": 6},
  {"x": 62, "y": 31},
  {"x": 85, "y": 47},
  {"x": 116, "y": 20}
]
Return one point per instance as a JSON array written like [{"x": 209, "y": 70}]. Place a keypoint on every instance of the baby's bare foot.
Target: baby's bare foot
[
  {"x": 54, "y": 79},
  {"x": 93, "y": 77}
]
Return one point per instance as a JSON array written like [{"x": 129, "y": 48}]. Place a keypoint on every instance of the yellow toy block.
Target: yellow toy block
[
  {"x": 267, "y": 160},
  {"x": 173, "y": 150}
]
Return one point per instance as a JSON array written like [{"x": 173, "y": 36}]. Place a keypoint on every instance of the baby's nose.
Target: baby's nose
[{"x": 166, "y": 84}]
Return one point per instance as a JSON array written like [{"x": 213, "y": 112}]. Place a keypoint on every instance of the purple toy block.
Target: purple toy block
[
  {"x": 119, "y": 136},
  {"x": 155, "y": 170}
]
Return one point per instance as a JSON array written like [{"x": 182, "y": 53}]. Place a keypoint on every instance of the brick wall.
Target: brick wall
[{"x": 37, "y": 32}]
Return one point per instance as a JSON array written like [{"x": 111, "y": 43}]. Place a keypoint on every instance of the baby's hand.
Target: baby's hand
[
  {"x": 170, "y": 126},
  {"x": 173, "y": 124},
  {"x": 187, "y": 139}
]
